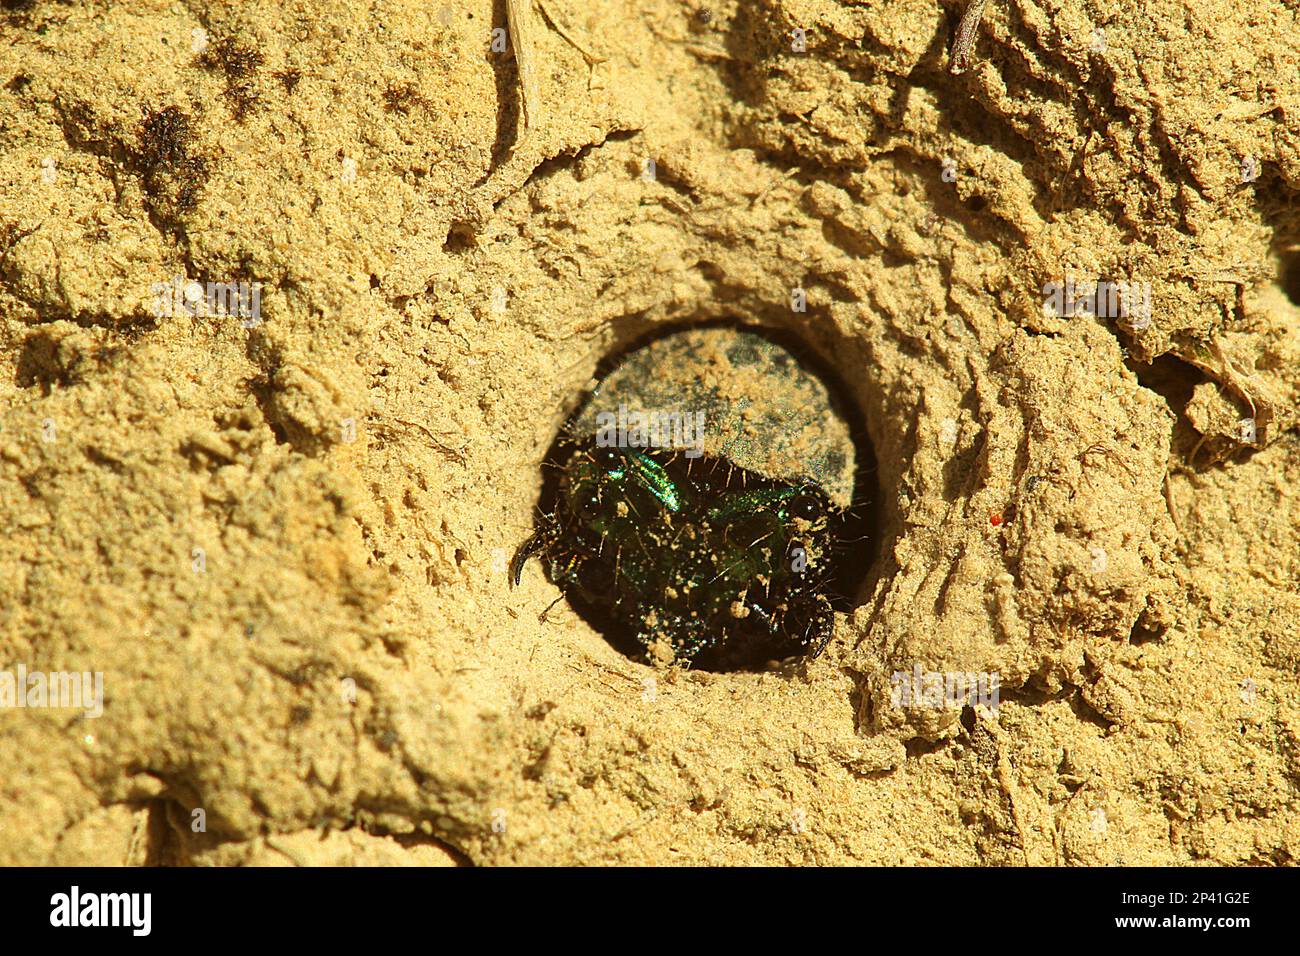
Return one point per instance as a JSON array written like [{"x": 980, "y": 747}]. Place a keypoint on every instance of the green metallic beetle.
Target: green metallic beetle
[{"x": 690, "y": 554}]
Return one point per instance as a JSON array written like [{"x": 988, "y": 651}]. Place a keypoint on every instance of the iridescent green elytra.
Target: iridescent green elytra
[{"x": 719, "y": 565}]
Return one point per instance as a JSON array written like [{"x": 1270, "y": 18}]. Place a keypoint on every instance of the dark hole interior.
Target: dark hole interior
[{"x": 1289, "y": 276}]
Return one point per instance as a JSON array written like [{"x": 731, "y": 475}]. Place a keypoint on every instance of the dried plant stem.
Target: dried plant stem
[
  {"x": 967, "y": 30},
  {"x": 519, "y": 16}
]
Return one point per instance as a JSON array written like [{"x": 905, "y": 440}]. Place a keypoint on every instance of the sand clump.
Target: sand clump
[{"x": 285, "y": 544}]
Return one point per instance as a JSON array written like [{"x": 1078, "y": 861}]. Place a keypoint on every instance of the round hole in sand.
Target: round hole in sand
[{"x": 712, "y": 501}]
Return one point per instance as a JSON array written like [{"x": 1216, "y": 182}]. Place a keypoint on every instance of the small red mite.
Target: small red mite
[{"x": 995, "y": 518}]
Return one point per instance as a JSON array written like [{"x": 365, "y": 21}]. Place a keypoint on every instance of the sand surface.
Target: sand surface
[{"x": 284, "y": 544}]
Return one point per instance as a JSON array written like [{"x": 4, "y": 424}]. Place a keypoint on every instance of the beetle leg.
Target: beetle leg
[
  {"x": 823, "y": 627},
  {"x": 768, "y": 617}
]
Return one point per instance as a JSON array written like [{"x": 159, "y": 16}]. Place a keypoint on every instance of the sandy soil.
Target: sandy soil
[{"x": 285, "y": 545}]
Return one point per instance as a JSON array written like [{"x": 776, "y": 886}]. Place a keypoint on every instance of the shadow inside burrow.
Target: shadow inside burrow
[{"x": 857, "y": 541}]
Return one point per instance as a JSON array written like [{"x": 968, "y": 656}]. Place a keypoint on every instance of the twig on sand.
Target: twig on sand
[
  {"x": 591, "y": 58},
  {"x": 519, "y": 16},
  {"x": 967, "y": 30}
]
